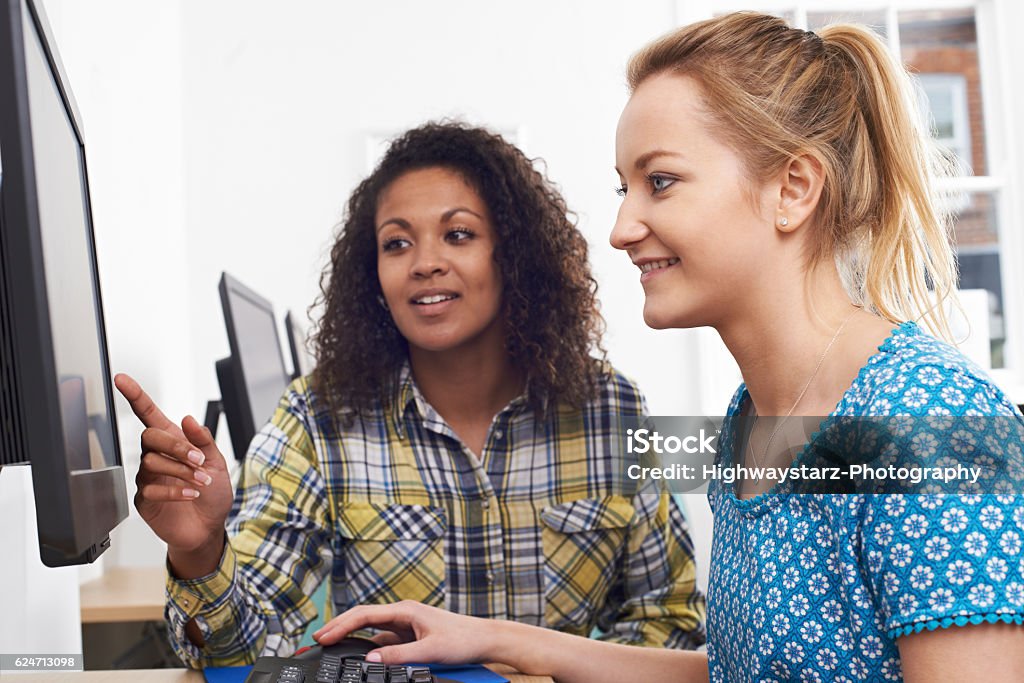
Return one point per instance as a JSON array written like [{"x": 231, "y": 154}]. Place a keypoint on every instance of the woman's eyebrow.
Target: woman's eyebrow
[
  {"x": 447, "y": 215},
  {"x": 400, "y": 222},
  {"x": 644, "y": 160}
]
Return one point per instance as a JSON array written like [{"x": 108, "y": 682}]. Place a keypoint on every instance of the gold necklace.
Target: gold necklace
[{"x": 807, "y": 385}]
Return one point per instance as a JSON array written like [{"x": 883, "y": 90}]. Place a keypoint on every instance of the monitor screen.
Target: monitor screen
[
  {"x": 259, "y": 354},
  {"x": 75, "y": 325},
  {"x": 56, "y": 397}
]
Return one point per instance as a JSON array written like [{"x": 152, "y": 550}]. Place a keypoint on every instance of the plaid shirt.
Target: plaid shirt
[{"x": 395, "y": 507}]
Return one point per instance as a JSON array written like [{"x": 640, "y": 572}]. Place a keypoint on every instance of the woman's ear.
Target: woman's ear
[{"x": 801, "y": 181}]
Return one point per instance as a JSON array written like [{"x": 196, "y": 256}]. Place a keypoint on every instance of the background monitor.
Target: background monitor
[
  {"x": 56, "y": 399},
  {"x": 302, "y": 360},
  {"x": 253, "y": 378}
]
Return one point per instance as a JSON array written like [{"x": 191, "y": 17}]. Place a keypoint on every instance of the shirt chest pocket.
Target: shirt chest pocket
[
  {"x": 584, "y": 541},
  {"x": 389, "y": 552}
]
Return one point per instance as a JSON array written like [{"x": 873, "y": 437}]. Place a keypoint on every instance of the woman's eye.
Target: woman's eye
[
  {"x": 459, "y": 235},
  {"x": 659, "y": 183},
  {"x": 393, "y": 244},
  {"x": 621, "y": 190}
]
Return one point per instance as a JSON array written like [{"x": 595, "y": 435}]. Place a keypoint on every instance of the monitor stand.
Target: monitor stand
[{"x": 228, "y": 405}]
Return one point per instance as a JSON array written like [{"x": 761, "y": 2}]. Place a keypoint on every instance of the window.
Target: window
[{"x": 945, "y": 99}]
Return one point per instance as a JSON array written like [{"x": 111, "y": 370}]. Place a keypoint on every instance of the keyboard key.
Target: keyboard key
[
  {"x": 420, "y": 675},
  {"x": 291, "y": 674}
]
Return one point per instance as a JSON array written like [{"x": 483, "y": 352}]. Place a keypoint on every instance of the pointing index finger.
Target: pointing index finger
[{"x": 142, "y": 405}]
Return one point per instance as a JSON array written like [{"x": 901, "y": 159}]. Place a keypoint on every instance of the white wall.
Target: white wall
[
  {"x": 278, "y": 105},
  {"x": 38, "y": 605}
]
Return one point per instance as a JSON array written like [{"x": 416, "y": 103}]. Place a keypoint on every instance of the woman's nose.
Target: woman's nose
[
  {"x": 429, "y": 261},
  {"x": 629, "y": 229}
]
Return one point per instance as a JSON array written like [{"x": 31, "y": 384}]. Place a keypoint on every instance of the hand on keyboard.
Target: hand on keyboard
[
  {"x": 412, "y": 632},
  {"x": 339, "y": 663}
]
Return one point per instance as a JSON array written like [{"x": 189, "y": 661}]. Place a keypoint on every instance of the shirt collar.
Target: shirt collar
[{"x": 407, "y": 393}]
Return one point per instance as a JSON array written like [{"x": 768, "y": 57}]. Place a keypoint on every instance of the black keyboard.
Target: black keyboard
[
  {"x": 352, "y": 670},
  {"x": 339, "y": 663}
]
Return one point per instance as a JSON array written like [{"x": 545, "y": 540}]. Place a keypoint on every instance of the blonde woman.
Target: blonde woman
[{"x": 776, "y": 188}]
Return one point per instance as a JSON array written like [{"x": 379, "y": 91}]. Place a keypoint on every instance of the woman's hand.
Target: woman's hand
[
  {"x": 184, "y": 489},
  {"x": 414, "y": 632},
  {"x": 420, "y": 634}
]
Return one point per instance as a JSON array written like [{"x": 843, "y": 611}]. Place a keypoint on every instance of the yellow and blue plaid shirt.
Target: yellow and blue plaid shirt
[{"x": 393, "y": 506}]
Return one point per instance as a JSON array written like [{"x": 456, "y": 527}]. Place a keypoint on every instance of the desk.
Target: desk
[
  {"x": 124, "y": 594},
  {"x": 124, "y": 676},
  {"x": 185, "y": 676}
]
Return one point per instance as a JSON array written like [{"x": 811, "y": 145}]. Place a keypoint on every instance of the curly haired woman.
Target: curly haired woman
[{"x": 453, "y": 445}]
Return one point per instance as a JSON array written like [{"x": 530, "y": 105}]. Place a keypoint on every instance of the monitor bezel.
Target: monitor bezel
[{"x": 75, "y": 510}]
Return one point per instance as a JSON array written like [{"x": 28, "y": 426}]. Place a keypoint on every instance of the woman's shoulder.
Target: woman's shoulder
[
  {"x": 300, "y": 402},
  {"x": 301, "y": 399},
  {"x": 617, "y": 391},
  {"x": 913, "y": 373}
]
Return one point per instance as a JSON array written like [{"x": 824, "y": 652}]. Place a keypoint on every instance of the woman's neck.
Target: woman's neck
[
  {"x": 803, "y": 335},
  {"x": 467, "y": 386}
]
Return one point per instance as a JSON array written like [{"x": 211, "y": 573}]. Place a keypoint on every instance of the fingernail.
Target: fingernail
[
  {"x": 203, "y": 478},
  {"x": 190, "y": 493},
  {"x": 196, "y": 457},
  {"x": 373, "y": 656}
]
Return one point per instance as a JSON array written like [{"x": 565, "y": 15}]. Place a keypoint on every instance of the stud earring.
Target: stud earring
[{"x": 783, "y": 221}]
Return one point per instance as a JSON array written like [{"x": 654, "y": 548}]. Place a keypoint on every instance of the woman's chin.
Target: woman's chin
[{"x": 659, "y": 319}]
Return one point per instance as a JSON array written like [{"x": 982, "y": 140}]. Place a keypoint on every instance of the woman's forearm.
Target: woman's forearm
[{"x": 575, "y": 659}]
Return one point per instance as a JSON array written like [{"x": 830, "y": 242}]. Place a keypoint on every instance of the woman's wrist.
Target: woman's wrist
[
  {"x": 199, "y": 562},
  {"x": 520, "y": 646}
]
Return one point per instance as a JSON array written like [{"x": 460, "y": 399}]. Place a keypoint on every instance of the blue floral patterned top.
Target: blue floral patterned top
[{"x": 819, "y": 587}]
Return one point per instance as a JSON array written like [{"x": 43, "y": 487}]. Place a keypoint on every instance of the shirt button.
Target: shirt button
[
  {"x": 498, "y": 434},
  {"x": 485, "y": 504},
  {"x": 490, "y": 577}
]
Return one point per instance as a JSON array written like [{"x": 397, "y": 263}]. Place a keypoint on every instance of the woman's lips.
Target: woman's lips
[
  {"x": 654, "y": 268},
  {"x": 433, "y": 304}
]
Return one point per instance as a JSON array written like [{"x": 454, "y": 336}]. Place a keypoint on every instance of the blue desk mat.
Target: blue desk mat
[
  {"x": 466, "y": 674},
  {"x": 226, "y": 674}
]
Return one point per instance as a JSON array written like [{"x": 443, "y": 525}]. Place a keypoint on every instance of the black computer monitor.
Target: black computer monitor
[
  {"x": 253, "y": 377},
  {"x": 56, "y": 399},
  {"x": 302, "y": 361}
]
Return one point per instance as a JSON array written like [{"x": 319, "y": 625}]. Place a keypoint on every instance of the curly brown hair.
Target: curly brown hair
[{"x": 549, "y": 295}]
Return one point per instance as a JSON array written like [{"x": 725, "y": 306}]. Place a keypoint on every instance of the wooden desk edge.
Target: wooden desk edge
[{"x": 124, "y": 594}]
